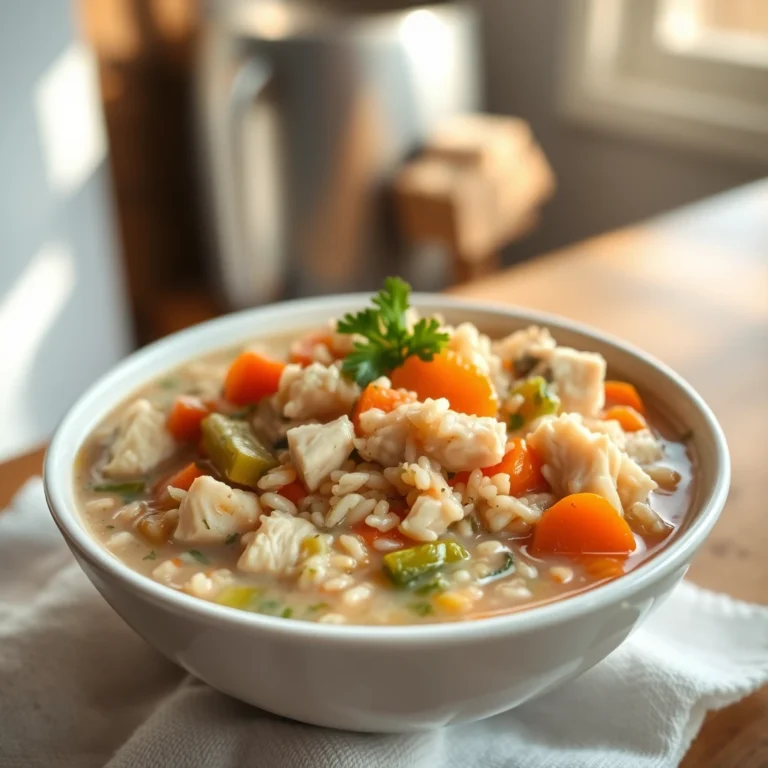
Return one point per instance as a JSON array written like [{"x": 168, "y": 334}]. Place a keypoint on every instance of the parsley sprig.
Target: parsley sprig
[{"x": 388, "y": 341}]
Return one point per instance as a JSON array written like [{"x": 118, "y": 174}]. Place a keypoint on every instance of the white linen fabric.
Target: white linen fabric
[{"x": 78, "y": 688}]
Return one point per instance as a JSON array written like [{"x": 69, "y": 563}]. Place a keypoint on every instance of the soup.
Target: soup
[{"x": 387, "y": 469}]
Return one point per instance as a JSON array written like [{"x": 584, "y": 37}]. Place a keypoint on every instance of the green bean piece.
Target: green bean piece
[
  {"x": 235, "y": 451},
  {"x": 538, "y": 401},
  {"x": 128, "y": 487},
  {"x": 405, "y": 565}
]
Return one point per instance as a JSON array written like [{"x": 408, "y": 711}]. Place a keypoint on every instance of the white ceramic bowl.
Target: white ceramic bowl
[{"x": 404, "y": 678}]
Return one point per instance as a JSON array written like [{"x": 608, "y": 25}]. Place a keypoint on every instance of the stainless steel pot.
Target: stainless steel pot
[{"x": 305, "y": 111}]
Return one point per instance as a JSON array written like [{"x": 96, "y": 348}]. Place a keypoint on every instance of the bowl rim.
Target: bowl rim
[{"x": 58, "y": 476}]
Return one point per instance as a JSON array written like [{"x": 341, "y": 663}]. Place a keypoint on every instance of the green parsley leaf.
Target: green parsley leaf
[
  {"x": 388, "y": 342},
  {"x": 506, "y": 565},
  {"x": 287, "y": 613},
  {"x": 317, "y": 607},
  {"x": 199, "y": 556},
  {"x": 150, "y": 556}
]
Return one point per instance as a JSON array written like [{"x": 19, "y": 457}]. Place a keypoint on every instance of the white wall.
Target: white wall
[
  {"x": 605, "y": 181},
  {"x": 63, "y": 318}
]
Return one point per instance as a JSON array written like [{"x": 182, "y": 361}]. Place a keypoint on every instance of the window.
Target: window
[{"x": 692, "y": 72}]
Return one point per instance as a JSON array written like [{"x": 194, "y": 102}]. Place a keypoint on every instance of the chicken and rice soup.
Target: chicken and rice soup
[{"x": 388, "y": 469}]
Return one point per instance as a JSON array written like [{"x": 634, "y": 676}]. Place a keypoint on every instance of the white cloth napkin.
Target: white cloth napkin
[{"x": 78, "y": 688}]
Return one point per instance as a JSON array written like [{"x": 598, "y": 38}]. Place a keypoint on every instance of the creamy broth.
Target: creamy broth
[{"x": 338, "y": 571}]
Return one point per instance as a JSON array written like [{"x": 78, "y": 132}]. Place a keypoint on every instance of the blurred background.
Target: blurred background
[{"x": 169, "y": 160}]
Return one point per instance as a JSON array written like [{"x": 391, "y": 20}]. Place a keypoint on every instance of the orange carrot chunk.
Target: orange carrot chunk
[
  {"x": 602, "y": 567},
  {"x": 182, "y": 479},
  {"x": 582, "y": 524},
  {"x": 523, "y": 466},
  {"x": 463, "y": 384},
  {"x": 251, "y": 377},
  {"x": 185, "y": 416},
  {"x": 383, "y": 398},
  {"x": 623, "y": 393},
  {"x": 294, "y": 492},
  {"x": 628, "y": 417}
]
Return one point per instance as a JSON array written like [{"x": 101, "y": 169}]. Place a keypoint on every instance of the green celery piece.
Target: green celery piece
[
  {"x": 234, "y": 449},
  {"x": 539, "y": 401},
  {"x": 405, "y": 565},
  {"x": 239, "y": 597},
  {"x": 454, "y": 552},
  {"x": 130, "y": 486}
]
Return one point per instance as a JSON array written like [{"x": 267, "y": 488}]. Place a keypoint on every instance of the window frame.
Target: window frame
[{"x": 616, "y": 75}]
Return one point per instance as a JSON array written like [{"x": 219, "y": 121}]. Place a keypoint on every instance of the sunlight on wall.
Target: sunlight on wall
[
  {"x": 28, "y": 311},
  {"x": 70, "y": 122}
]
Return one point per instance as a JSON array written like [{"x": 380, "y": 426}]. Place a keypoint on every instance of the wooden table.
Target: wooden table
[{"x": 692, "y": 289}]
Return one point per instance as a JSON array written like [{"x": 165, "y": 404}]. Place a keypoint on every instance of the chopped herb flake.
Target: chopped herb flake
[
  {"x": 169, "y": 383},
  {"x": 110, "y": 527},
  {"x": 150, "y": 556},
  {"x": 196, "y": 554},
  {"x": 205, "y": 523},
  {"x": 270, "y": 607},
  {"x": 287, "y": 613},
  {"x": 516, "y": 421},
  {"x": 232, "y": 538},
  {"x": 508, "y": 564},
  {"x": 317, "y": 607},
  {"x": 422, "y": 608}
]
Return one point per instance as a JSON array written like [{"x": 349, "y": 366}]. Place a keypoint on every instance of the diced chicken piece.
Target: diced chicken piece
[
  {"x": 275, "y": 547},
  {"x": 429, "y": 517},
  {"x": 529, "y": 342},
  {"x": 641, "y": 446},
  {"x": 211, "y": 511},
  {"x": 469, "y": 343},
  {"x": 456, "y": 441},
  {"x": 609, "y": 427},
  {"x": 315, "y": 392},
  {"x": 319, "y": 449},
  {"x": 142, "y": 441},
  {"x": 576, "y": 460},
  {"x": 580, "y": 380}
]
